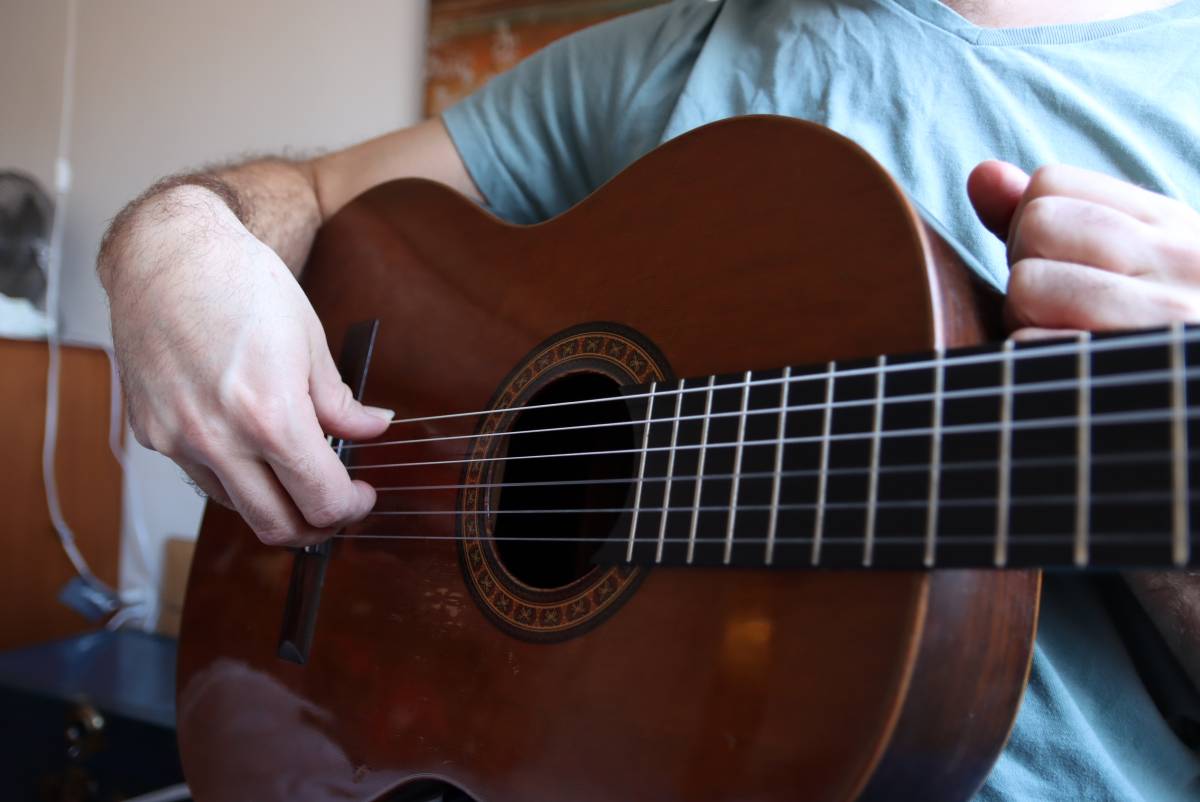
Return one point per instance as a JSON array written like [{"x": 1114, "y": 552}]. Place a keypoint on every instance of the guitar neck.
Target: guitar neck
[{"x": 1064, "y": 453}]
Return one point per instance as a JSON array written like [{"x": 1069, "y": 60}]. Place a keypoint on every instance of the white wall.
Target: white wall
[
  {"x": 32, "y": 38},
  {"x": 164, "y": 86}
]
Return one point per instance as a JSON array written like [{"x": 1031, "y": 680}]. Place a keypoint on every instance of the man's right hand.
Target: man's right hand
[
  {"x": 224, "y": 363},
  {"x": 226, "y": 370}
]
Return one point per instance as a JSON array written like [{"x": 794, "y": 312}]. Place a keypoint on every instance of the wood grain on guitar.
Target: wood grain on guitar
[{"x": 598, "y": 584}]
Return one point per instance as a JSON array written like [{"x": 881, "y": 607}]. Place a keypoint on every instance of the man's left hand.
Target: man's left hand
[{"x": 1087, "y": 251}]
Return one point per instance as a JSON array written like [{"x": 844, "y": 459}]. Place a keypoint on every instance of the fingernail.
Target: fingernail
[{"x": 380, "y": 412}]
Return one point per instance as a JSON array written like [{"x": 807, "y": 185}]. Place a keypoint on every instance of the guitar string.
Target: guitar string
[
  {"x": 1104, "y": 419},
  {"x": 1145, "y": 416},
  {"x": 948, "y": 539},
  {"x": 1132, "y": 458},
  {"x": 1045, "y": 500},
  {"x": 1121, "y": 380},
  {"x": 1036, "y": 351}
]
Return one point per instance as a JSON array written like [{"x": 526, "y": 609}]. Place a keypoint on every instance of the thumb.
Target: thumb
[
  {"x": 338, "y": 412},
  {"x": 995, "y": 189}
]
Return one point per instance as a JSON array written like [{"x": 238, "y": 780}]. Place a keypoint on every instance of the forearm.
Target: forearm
[
  {"x": 282, "y": 202},
  {"x": 275, "y": 199},
  {"x": 223, "y": 360},
  {"x": 1172, "y": 599}
]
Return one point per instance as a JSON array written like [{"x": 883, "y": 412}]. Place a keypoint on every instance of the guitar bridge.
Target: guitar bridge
[{"x": 309, "y": 563}]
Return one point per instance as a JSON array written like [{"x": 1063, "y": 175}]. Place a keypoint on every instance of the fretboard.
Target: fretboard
[{"x": 1063, "y": 453}]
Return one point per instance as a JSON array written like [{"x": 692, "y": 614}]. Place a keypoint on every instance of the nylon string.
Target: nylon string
[
  {"x": 1174, "y": 337},
  {"x": 1106, "y": 419},
  {"x": 1164, "y": 337}
]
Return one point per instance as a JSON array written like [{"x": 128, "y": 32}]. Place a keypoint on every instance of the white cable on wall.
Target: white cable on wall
[
  {"x": 137, "y": 606},
  {"x": 62, "y": 183}
]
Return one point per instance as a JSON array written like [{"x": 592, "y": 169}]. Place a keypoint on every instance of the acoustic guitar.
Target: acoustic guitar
[{"x": 716, "y": 487}]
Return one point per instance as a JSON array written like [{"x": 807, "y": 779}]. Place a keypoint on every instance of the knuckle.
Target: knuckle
[
  {"x": 140, "y": 433},
  {"x": 1180, "y": 254},
  {"x": 234, "y": 398},
  {"x": 236, "y": 395},
  {"x": 276, "y": 536},
  {"x": 1176, "y": 306},
  {"x": 1045, "y": 180},
  {"x": 145, "y": 432},
  {"x": 1022, "y": 291},
  {"x": 262, "y": 418},
  {"x": 1021, "y": 276},
  {"x": 272, "y": 527},
  {"x": 1173, "y": 214},
  {"x": 1037, "y": 226},
  {"x": 343, "y": 397},
  {"x": 196, "y": 436},
  {"x": 154, "y": 436},
  {"x": 328, "y": 513}
]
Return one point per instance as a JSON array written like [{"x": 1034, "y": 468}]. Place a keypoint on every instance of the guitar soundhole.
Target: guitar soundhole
[
  {"x": 546, "y": 480},
  {"x": 570, "y": 499}
]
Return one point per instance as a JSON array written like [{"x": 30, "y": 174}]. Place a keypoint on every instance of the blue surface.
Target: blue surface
[{"x": 126, "y": 673}]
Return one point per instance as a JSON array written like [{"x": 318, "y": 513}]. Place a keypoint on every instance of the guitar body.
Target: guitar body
[{"x": 749, "y": 244}]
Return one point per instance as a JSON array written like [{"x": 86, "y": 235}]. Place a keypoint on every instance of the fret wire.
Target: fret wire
[
  {"x": 780, "y": 431},
  {"x": 873, "y": 476},
  {"x": 1083, "y": 447},
  {"x": 1180, "y": 547},
  {"x": 935, "y": 459},
  {"x": 737, "y": 468},
  {"x": 662, "y": 523},
  {"x": 691, "y": 549},
  {"x": 1004, "y": 473},
  {"x": 637, "y": 491},
  {"x": 823, "y": 468}
]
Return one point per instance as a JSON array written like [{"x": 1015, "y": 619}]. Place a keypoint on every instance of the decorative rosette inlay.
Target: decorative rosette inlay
[{"x": 524, "y": 611}]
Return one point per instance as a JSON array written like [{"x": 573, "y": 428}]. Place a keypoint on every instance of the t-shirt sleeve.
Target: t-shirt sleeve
[{"x": 540, "y": 137}]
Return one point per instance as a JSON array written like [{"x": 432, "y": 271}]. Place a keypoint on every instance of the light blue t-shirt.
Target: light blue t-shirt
[{"x": 929, "y": 95}]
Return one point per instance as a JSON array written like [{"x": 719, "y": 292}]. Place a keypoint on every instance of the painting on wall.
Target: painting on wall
[{"x": 472, "y": 40}]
